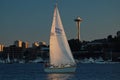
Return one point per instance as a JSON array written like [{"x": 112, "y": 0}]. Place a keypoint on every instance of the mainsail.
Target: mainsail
[{"x": 60, "y": 52}]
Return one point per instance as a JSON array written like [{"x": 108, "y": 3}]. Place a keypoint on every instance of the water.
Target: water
[{"x": 83, "y": 72}]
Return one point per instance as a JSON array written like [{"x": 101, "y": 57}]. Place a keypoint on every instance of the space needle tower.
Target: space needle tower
[{"x": 78, "y": 20}]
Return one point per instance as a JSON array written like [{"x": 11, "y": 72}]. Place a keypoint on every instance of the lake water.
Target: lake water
[{"x": 83, "y": 72}]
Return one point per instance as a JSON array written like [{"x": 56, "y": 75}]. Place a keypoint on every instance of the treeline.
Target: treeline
[{"x": 106, "y": 48}]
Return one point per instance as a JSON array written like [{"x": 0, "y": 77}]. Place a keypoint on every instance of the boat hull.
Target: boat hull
[{"x": 60, "y": 70}]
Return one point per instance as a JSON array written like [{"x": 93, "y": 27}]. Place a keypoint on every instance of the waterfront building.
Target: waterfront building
[
  {"x": 13, "y": 51},
  {"x": 42, "y": 43},
  {"x": 18, "y": 43},
  {"x": 1, "y": 47},
  {"x": 35, "y": 44},
  {"x": 25, "y": 44}
]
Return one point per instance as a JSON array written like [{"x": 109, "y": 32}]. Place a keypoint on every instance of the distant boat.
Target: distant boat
[
  {"x": 61, "y": 59},
  {"x": 37, "y": 60},
  {"x": 21, "y": 61},
  {"x": 8, "y": 59},
  {"x": 2, "y": 61}
]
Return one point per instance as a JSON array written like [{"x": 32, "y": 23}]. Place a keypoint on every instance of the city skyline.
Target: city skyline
[{"x": 31, "y": 21}]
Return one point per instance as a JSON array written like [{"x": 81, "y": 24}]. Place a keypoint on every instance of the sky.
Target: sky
[{"x": 31, "y": 20}]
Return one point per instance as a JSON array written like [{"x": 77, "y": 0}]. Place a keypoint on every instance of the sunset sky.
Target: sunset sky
[{"x": 31, "y": 20}]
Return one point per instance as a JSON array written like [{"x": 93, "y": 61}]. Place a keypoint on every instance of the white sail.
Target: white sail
[
  {"x": 8, "y": 58},
  {"x": 60, "y": 52}
]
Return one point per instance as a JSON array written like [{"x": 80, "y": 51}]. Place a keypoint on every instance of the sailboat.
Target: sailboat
[
  {"x": 8, "y": 59},
  {"x": 61, "y": 58}
]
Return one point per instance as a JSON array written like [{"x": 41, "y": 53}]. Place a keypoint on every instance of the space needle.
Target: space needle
[{"x": 78, "y": 20}]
